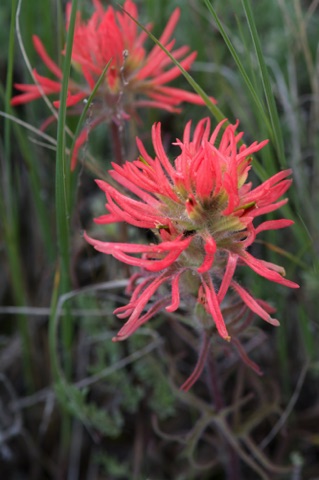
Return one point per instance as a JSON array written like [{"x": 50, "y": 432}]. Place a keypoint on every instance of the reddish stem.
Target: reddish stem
[
  {"x": 116, "y": 130},
  {"x": 199, "y": 365},
  {"x": 117, "y": 142}
]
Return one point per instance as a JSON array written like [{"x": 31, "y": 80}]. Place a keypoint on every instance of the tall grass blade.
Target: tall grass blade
[
  {"x": 241, "y": 68},
  {"x": 63, "y": 174},
  {"x": 9, "y": 217},
  {"x": 270, "y": 99}
]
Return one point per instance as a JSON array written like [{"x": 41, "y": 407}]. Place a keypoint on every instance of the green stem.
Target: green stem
[
  {"x": 63, "y": 215},
  {"x": 41, "y": 208},
  {"x": 63, "y": 182},
  {"x": 275, "y": 130},
  {"x": 20, "y": 298},
  {"x": 8, "y": 209}
]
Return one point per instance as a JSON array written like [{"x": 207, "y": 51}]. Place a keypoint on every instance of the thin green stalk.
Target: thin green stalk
[
  {"x": 8, "y": 93},
  {"x": 19, "y": 291},
  {"x": 60, "y": 30},
  {"x": 8, "y": 213},
  {"x": 28, "y": 156},
  {"x": 267, "y": 154},
  {"x": 63, "y": 178},
  {"x": 63, "y": 215},
  {"x": 36, "y": 189},
  {"x": 58, "y": 377},
  {"x": 240, "y": 65},
  {"x": 41, "y": 208},
  {"x": 270, "y": 99}
]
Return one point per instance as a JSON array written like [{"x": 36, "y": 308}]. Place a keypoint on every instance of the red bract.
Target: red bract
[
  {"x": 202, "y": 211},
  {"x": 134, "y": 79}
]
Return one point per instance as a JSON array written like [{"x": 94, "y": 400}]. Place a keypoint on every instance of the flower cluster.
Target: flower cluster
[
  {"x": 202, "y": 211},
  {"x": 202, "y": 208},
  {"x": 134, "y": 78}
]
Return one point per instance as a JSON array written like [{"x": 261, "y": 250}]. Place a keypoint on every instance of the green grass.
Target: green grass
[{"x": 259, "y": 59}]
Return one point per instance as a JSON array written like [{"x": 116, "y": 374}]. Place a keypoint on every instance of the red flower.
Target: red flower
[
  {"x": 134, "y": 79},
  {"x": 202, "y": 211}
]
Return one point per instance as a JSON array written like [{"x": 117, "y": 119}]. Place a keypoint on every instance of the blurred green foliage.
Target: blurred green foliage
[{"x": 144, "y": 388}]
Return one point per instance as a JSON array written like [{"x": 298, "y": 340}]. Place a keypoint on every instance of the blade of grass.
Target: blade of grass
[
  {"x": 63, "y": 186},
  {"x": 270, "y": 99},
  {"x": 8, "y": 213},
  {"x": 62, "y": 204},
  {"x": 11, "y": 234},
  {"x": 267, "y": 154},
  {"x": 63, "y": 174},
  {"x": 241, "y": 68},
  {"x": 30, "y": 69},
  {"x": 293, "y": 258},
  {"x": 60, "y": 29},
  {"x": 35, "y": 182},
  {"x": 8, "y": 93}
]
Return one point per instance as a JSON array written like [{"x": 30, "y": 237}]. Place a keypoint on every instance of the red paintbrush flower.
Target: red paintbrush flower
[
  {"x": 202, "y": 211},
  {"x": 134, "y": 79}
]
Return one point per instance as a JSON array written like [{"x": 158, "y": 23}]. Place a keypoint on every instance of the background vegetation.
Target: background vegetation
[{"x": 74, "y": 405}]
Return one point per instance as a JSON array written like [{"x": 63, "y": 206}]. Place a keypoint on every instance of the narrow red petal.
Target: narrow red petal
[
  {"x": 200, "y": 365},
  {"x": 260, "y": 267},
  {"x": 214, "y": 307},
  {"x": 254, "y": 305}
]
